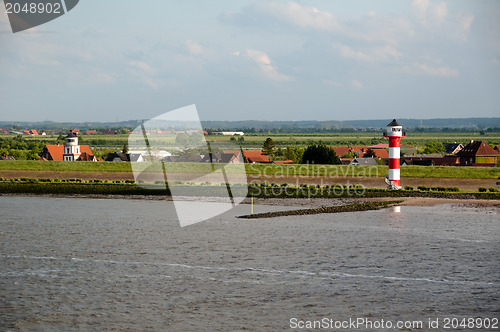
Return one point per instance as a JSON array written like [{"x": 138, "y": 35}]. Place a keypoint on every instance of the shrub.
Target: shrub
[
  {"x": 456, "y": 189},
  {"x": 313, "y": 187},
  {"x": 284, "y": 184},
  {"x": 274, "y": 184},
  {"x": 482, "y": 189},
  {"x": 408, "y": 188},
  {"x": 422, "y": 188},
  {"x": 493, "y": 190},
  {"x": 129, "y": 181}
]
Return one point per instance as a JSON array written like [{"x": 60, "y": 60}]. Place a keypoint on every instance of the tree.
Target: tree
[
  {"x": 289, "y": 154},
  {"x": 319, "y": 154},
  {"x": 349, "y": 154},
  {"x": 369, "y": 153},
  {"x": 125, "y": 148},
  {"x": 268, "y": 147},
  {"x": 433, "y": 147}
]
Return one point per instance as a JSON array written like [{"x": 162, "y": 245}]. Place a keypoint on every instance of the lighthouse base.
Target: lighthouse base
[{"x": 392, "y": 184}]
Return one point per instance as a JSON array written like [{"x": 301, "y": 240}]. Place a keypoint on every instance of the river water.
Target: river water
[{"x": 120, "y": 264}]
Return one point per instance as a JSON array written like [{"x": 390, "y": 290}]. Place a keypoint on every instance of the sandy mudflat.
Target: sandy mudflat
[
  {"x": 306, "y": 202},
  {"x": 408, "y": 201}
]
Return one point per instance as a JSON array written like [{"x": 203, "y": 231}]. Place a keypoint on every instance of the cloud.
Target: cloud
[
  {"x": 145, "y": 73},
  {"x": 264, "y": 63},
  {"x": 194, "y": 48},
  {"x": 429, "y": 14},
  {"x": 355, "y": 84},
  {"x": 102, "y": 78},
  {"x": 142, "y": 66},
  {"x": 304, "y": 17},
  {"x": 375, "y": 54},
  {"x": 349, "y": 53},
  {"x": 371, "y": 27},
  {"x": 464, "y": 23},
  {"x": 424, "y": 69}
]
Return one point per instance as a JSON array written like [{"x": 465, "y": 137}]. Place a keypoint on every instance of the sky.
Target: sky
[{"x": 118, "y": 60}]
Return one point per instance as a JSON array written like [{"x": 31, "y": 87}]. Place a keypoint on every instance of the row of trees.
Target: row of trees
[{"x": 316, "y": 153}]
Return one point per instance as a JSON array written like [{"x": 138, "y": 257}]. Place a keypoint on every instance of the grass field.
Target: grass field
[
  {"x": 264, "y": 169},
  {"x": 417, "y": 139}
]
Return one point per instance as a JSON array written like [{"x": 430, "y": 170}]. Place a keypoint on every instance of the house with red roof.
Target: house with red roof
[
  {"x": 478, "y": 153},
  {"x": 255, "y": 157},
  {"x": 72, "y": 151}
]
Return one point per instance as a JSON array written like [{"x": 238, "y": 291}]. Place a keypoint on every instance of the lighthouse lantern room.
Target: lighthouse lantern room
[
  {"x": 394, "y": 133},
  {"x": 72, "y": 149}
]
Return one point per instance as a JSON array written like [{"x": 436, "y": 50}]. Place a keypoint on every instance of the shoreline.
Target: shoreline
[{"x": 312, "y": 202}]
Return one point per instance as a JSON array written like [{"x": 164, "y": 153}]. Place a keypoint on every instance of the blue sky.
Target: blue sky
[{"x": 262, "y": 60}]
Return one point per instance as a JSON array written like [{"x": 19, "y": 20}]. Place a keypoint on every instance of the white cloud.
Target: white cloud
[
  {"x": 424, "y": 69},
  {"x": 371, "y": 27},
  {"x": 429, "y": 14},
  {"x": 145, "y": 73},
  {"x": 142, "y": 66},
  {"x": 305, "y": 17},
  {"x": 464, "y": 23},
  {"x": 349, "y": 53},
  {"x": 355, "y": 84},
  {"x": 102, "y": 78},
  {"x": 375, "y": 54},
  {"x": 264, "y": 63},
  {"x": 194, "y": 48}
]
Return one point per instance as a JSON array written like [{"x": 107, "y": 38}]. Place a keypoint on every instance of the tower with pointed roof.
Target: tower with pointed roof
[
  {"x": 71, "y": 149},
  {"x": 394, "y": 133}
]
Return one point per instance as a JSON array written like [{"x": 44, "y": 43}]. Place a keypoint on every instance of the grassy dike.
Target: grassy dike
[
  {"x": 32, "y": 186},
  {"x": 262, "y": 169}
]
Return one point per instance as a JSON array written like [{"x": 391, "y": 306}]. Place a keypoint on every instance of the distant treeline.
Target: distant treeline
[{"x": 460, "y": 124}]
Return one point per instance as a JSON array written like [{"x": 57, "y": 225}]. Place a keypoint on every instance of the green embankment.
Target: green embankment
[
  {"x": 264, "y": 169},
  {"x": 33, "y": 186}
]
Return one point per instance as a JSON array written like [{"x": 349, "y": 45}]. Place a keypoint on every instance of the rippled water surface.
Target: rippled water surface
[{"x": 116, "y": 264}]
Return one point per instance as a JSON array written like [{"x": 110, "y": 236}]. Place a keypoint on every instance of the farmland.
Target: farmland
[{"x": 417, "y": 139}]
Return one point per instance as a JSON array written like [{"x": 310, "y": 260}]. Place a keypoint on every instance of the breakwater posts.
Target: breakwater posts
[{"x": 323, "y": 209}]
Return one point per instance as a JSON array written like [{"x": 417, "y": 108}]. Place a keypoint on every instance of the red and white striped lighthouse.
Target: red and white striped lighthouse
[{"x": 394, "y": 133}]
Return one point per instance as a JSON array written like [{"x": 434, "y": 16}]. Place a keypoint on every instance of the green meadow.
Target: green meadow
[{"x": 262, "y": 169}]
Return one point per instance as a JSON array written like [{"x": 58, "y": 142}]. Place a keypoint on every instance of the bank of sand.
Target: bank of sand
[
  {"x": 367, "y": 182},
  {"x": 407, "y": 201}
]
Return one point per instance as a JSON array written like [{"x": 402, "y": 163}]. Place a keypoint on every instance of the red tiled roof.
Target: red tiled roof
[
  {"x": 380, "y": 153},
  {"x": 283, "y": 161},
  {"x": 340, "y": 150},
  {"x": 86, "y": 157},
  {"x": 477, "y": 148},
  {"x": 255, "y": 156},
  {"x": 57, "y": 151}
]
